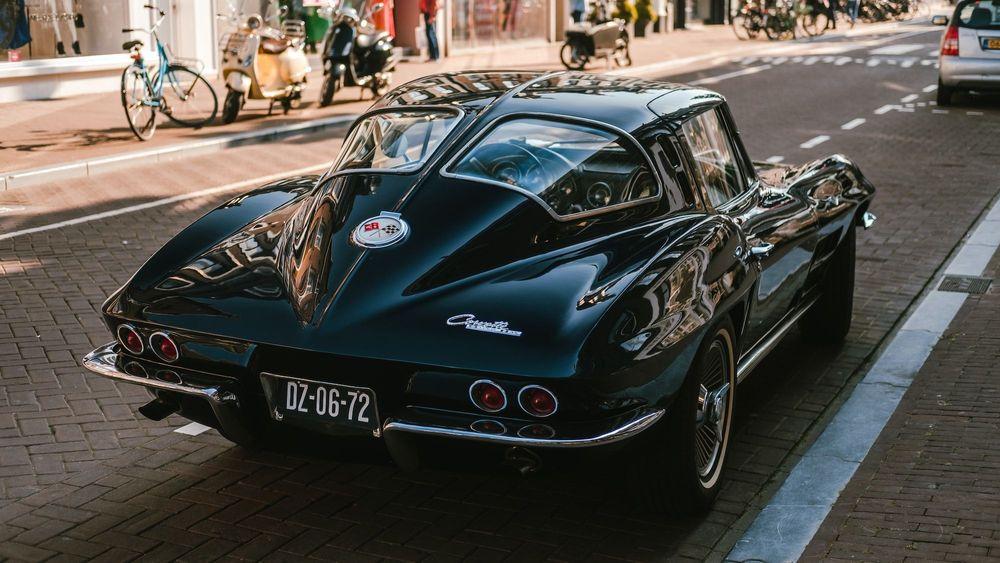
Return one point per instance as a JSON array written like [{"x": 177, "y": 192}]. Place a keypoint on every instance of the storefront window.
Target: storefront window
[
  {"x": 42, "y": 29},
  {"x": 478, "y": 23}
]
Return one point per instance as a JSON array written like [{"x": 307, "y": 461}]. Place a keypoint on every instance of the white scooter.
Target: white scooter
[{"x": 260, "y": 62}]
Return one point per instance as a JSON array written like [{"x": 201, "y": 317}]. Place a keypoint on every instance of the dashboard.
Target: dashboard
[{"x": 569, "y": 179}]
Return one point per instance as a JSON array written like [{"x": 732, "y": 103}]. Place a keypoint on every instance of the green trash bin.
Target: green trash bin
[{"x": 316, "y": 26}]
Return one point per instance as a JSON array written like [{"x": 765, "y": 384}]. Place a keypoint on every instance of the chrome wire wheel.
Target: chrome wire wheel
[{"x": 714, "y": 410}]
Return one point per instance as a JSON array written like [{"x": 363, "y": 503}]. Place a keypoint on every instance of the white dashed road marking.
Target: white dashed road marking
[
  {"x": 728, "y": 75},
  {"x": 908, "y": 99},
  {"x": 898, "y": 49},
  {"x": 192, "y": 429},
  {"x": 775, "y": 159},
  {"x": 818, "y": 140},
  {"x": 885, "y": 109},
  {"x": 929, "y": 89},
  {"x": 852, "y": 124}
]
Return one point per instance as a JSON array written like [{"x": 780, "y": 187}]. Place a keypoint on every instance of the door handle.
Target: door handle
[{"x": 761, "y": 249}]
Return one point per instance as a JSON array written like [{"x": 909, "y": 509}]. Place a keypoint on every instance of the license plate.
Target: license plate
[
  {"x": 992, "y": 43},
  {"x": 317, "y": 401}
]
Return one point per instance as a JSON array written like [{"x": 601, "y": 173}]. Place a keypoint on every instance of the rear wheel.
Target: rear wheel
[
  {"x": 573, "y": 57},
  {"x": 622, "y": 55},
  {"x": 137, "y": 99},
  {"x": 680, "y": 470},
  {"x": 231, "y": 107},
  {"x": 188, "y": 99},
  {"x": 944, "y": 94},
  {"x": 829, "y": 320}
]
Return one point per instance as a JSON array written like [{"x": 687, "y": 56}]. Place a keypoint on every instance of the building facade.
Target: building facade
[{"x": 57, "y": 48}]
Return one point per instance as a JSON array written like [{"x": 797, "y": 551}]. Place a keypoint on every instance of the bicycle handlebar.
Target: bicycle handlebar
[{"x": 151, "y": 7}]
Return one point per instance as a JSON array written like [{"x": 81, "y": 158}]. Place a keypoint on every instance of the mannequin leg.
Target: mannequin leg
[
  {"x": 60, "y": 50},
  {"x": 68, "y": 8}
]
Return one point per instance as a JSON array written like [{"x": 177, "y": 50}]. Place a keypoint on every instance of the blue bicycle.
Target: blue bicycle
[{"x": 175, "y": 89}]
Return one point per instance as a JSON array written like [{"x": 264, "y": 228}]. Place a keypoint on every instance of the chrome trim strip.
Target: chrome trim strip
[
  {"x": 753, "y": 357},
  {"x": 615, "y": 435},
  {"x": 102, "y": 362}
]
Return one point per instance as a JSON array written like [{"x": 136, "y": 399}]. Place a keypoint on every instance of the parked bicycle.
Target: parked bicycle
[
  {"x": 177, "y": 90},
  {"x": 748, "y": 23},
  {"x": 781, "y": 20}
]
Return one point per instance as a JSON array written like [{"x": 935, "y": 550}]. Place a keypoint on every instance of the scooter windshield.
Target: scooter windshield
[{"x": 397, "y": 141}]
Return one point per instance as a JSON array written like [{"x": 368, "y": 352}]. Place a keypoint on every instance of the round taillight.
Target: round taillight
[
  {"x": 488, "y": 427},
  {"x": 488, "y": 396},
  {"x": 163, "y": 346},
  {"x": 130, "y": 339},
  {"x": 537, "y": 401}
]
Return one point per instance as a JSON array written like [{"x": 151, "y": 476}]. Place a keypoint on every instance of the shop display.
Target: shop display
[{"x": 43, "y": 29}]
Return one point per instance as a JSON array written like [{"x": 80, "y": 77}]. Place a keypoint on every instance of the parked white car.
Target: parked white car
[{"x": 970, "y": 49}]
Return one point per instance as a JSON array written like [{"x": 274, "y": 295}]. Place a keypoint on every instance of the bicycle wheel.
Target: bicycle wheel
[
  {"x": 741, "y": 27},
  {"x": 137, "y": 97},
  {"x": 188, "y": 99}
]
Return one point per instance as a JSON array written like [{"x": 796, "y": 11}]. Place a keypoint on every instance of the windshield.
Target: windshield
[
  {"x": 573, "y": 168},
  {"x": 396, "y": 140},
  {"x": 984, "y": 14}
]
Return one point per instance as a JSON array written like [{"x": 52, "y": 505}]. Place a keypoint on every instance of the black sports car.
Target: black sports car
[{"x": 529, "y": 262}]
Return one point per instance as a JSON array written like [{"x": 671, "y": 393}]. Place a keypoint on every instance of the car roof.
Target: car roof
[{"x": 623, "y": 102}]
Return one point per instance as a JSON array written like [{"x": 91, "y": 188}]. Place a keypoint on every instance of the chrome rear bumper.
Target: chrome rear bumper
[{"x": 223, "y": 396}]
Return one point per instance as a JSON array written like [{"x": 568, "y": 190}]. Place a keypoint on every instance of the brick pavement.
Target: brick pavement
[
  {"x": 131, "y": 486},
  {"x": 929, "y": 488}
]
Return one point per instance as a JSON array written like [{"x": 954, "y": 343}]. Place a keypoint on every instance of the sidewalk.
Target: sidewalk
[
  {"x": 930, "y": 488},
  {"x": 39, "y": 134}
]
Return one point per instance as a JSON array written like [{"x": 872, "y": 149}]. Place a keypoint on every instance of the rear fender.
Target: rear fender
[{"x": 646, "y": 342}]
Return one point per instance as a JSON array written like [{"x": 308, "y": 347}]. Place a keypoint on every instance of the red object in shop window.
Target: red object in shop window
[
  {"x": 13, "y": 56},
  {"x": 383, "y": 18}
]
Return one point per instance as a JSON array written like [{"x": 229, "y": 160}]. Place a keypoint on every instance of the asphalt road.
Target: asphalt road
[{"x": 81, "y": 475}]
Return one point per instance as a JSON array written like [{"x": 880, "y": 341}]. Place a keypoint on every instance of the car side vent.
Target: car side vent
[{"x": 965, "y": 284}]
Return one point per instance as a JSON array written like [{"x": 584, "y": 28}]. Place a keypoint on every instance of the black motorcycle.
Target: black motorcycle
[{"x": 355, "y": 53}]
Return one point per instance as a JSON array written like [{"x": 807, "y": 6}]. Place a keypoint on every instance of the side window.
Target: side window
[{"x": 717, "y": 167}]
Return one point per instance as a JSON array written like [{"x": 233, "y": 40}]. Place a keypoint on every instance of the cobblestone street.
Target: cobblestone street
[{"x": 84, "y": 476}]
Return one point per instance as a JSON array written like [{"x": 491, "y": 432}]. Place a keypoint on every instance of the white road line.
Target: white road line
[
  {"x": 973, "y": 113},
  {"x": 192, "y": 429},
  {"x": 817, "y": 140},
  {"x": 929, "y": 89},
  {"x": 885, "y": 109},
  {"x": 786, "y": 525},
  {"x": 166, "y": 201},
  {"x": 853, "y": 123},
  {"x": 898, "y": 49},
  {"x": 728, "y": 75},
  {"x": 907, "y": 63},
  {"x": 873, "y": 62},
  {"x": 775, "y": 159},
  {"x": 934, "y": 52},
  {"x": 941, "y": 111},
  {"x": 908, "y": 99}
]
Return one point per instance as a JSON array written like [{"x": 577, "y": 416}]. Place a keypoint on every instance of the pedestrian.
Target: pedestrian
[
  {"x": 576, "y": 9},
  {"x": 429, "y": 9},
  {"x": 832, "y": 7},
  {"x": 852, "y": 8}
]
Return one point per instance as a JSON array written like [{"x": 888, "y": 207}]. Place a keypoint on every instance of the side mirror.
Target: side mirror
[{"x": 939, "y": 20}]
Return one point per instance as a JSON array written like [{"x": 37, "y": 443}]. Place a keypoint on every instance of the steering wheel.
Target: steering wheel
[{"x": 512, "y": 164}]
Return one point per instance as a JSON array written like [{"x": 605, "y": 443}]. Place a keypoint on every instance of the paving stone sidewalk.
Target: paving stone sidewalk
[{"x": 930, "y": 487}]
